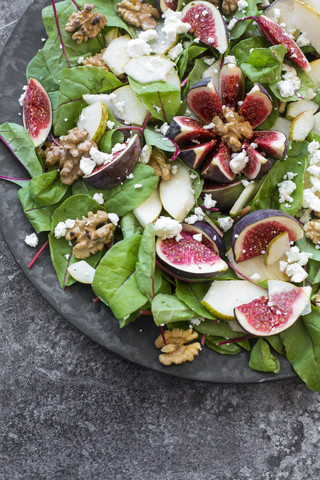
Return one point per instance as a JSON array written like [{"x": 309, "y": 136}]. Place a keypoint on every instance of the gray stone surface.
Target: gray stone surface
[{"x": 72, "y": 410}]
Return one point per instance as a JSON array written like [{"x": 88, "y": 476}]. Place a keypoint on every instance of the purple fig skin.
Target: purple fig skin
[
  {"x": 37, "y": 112},
  {"x": 195, "y": 156},
  {"x": 204, "y": 101},
  {"x": 184, "y": 130},
  {"x": 217, "y": 167},
  {"x": 241, "y": 230},
  {"x": 271, "y": 142},
  {"x": 224, "y": 194},
  {"x": 112, "y": 174},
  {"x": 210, "y": 234},
  {"x": 231, "y": 85},
  {"x": 257, "y": 165},
  {"x": 257, "y": 106}
]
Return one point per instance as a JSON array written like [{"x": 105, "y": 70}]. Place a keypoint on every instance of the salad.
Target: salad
[{"x": 174, "y": 155}]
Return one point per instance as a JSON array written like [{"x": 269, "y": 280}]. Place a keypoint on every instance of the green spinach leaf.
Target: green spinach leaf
[
  {"x": 262, "y": 360},
  {"x": 168, "y": 308},
  {"x": 192, "y": 294},
  {"x": 38, "y": 215},
  {"x": 145, "y": 268},
  {"x": 47, "y": 188}
]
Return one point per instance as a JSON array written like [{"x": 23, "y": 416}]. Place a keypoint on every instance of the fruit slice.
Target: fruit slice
[
  {"x": 211, "y": 236},
  {"x": 213, "y": 72},
  {"x": 301, "y": 126},
  {"x": 94, "y": 119},
  {"x": 278, "y": 246},
  {"x": 225, "y": 295},
  {"x": 307, "y": 19},
  {"x": 37, "y": 112},
  {"x": 314, "y": 74},
  {"x": 316, "y": 123},
  {"x": 282, "y": 125},
  {"x": 244, "y": 198},
  {"x": 206, "y": 24},
  {"x": 116, "y": 55},
  {"x": 277, "y": 35},
  {"x": 272, "y": 143},
  {"x": 176, "y": 194},
  {"x": 185, "y": 131},
  {"x": 110, "y": 175},
  {"x": 231, "y": 85},
  {"x": 111, "y": 34},
  {"x": 224, "y": 194},
  {"x": 295, "y": 108},
  {"x": 146, "y": 69},
  {"x": 255, "y": 265},
  {"x": 195, "y": 156},
  {"x": 269, "y": 315},
  {"x": 82, "y": 272},
  {"x": 163, "y": 5},
  {"x": 257, "y": 164},
  {"x": 257, "y": 106},
  {"x": 217, "y": 167},
  {"x": 188, "y": 259},
  {"x": 253, "y": 233},
  {"x": 282, "y": 12},
  {"x": 204, "y": 101},
  {"x": 149, "y": 210}
]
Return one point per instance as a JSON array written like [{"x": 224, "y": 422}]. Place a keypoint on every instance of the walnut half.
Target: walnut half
[
  {"x": 175, "y": 351},
  {"x": 138, "y": 13},
  {"x": 312, "y": 231},
  {"x": 85, "y": 24}
]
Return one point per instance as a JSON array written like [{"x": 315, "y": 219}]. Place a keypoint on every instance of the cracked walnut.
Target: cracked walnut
[
  {"x": 85, "y": 23},
  {"x": 138, "y": 13},
  {"x": 174, "y": 350}
]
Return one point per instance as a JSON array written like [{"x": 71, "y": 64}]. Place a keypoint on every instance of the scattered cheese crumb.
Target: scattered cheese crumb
[
  {"x": 145, "y": 154},
  {"x": 173, "y": 25},
  {"x": 87, "y": 165},
  {"x": 238, "y": 161},
  {"x": 197, "y": 237},
  {"x": 98, "y": 197},
  {"x": 208, "y": 201},
  {"x": 31, "y": 240},
  {"x": 255, "y": 277},
  {"x": 175, "y": 51},
  {"x": 113, "y": 217},
  {"x": 225, "y": 223},
  {"x": 138, "y": 185},
  {"x": 167, "y": 227}
]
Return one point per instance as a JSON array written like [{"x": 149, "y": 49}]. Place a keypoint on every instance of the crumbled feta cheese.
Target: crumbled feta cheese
[
  {"x": 197, "y": 237},
  {"x": 238, "y": 161},
  {"x": 67, "y": 256},
  {"x": 208, "y": 61},
  {"x": 138, "y": 185},
  {"x": 191, "y": 220},
  {"x": 164, "y": 128},
  {"x": 145, "y": 154},
  {"x": 302, "y": 40},
  {"x": 100, "y": 158},
  {"x": 242, "y": 5},
  {"x": 285, "y": 189},
  {"x": 310, "y": 200},
  {"x": 21, "y": 98},
  {"x": 119, "y": 109},
  {"x": 230, "y": 58},
  {"x": 87, "y": 165},
  {"x": 304, "y": 215},
  {"x": 290, "y": 82},
  {"x": 138, "y": 47},
  {"x": 209, "y": 126},
  {"x": 232, "y": 23},
  {"x": 173, "y": 25},
  {"x": 149, "y": 35},
  {"x": 167, "y": 227},
  {"x": 296, "y": 273},
  {"x": 199, "y": 212},
  {"x": 196, "y": 321},
  {"x": 225, "y": 223},
  {"x": 193, "y": 176},
  {"x": 70, "y": 223},
  {"x": 255, "y": 277},
  {"x": 98, "y": 197},
  {"x": 295, "y": 256},
  {"x": 31, "y": 240},
  {"x": 174, "y": 169},
  {"x": 60, "y": 230},
  {"x": 208, "y": 201},
  {"x": 175, "y": 51},
  {"x": 113, "y": 217},
  {"x": 130, "y": 176},
  {"x": 110, "y": 124},
  {"x": 80, "y": 60},
  {"x": 118, "y": 147}
]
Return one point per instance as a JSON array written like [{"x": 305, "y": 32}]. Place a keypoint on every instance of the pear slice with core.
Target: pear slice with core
[
  {"x": 301, "y": 126},
  {"x": 176, "y": 194},
  {"x": 149, "y": 210},
  {"x": 94, "y": 119},
  {"x": 278, "y": 246}
]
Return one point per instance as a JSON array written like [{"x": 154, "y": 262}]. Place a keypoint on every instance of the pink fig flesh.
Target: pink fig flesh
[
  {"x": 195, "y": 156},
  {"x": 277, "y": 35},
  {"x": 257, "y": 106},
  {"x": 37, "y": 112},
  {"x": 164, "y": 5},
  {"x": 188, "y": 131},
  {"x": 257, "y": 164},
  {"x": 204, "y": 101},
  {"x": 217, "y": 167},
  {"x": 272, "y": 143},
  {"x": 231, "y": 85}
]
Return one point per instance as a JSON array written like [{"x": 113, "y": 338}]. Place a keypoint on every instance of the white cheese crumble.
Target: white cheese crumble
[
  {"x": 87, "y": 165},
  {"x": 174, "y": 169},
  {"x": 197, "y": 237},
  {"x": 99, "y": 158},
  {"x": 310, "y": 200},
  {"x": 98, "y": 197},
  {"x": 149, "y": 35},
  {"x": 290, "y": 82},
  {"x": 238, "y": 161},
  {"x": 196, "y": 321},
  {"x": 302, "y": 40},
  {"x": 70, "y": 223},
  {"x": 225, "y": 223},
  {"x": 80, "y": 60},
  {"x": 293, "y": 267},
  {"x": 138, "y": 47},
  {"x": 31, "y": 240},
  {"x": 167, "y": 227},
  {"x": 175, "y": 51},
  {"x": 232, "y": 23},
  {"x": 208, "y": 61},
  {"x": 173, "y": 25},
  {"x": 208, "y": 201},
  {"x": 296, "y": 273},
  {"x": 285, "y": 189},
  {"x": 130, "y": 176},
  {"x": 230, "y": 58},
  {"x": 60, "y": 230},
  {"x": 242, "y": 5},
  {"x": 118, "y": 147},
  {"x": 209, "y": 126},
  {"x": 110, "y": 124},
  {"x": 145, "y": 154},
  {"x": 255, "y": 277},
  {"x": 138, "y": 185},
  {"x": 113, "y": 217}
]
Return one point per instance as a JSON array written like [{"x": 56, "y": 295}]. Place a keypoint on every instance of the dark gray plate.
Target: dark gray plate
[{"x": 134, "y": 342}]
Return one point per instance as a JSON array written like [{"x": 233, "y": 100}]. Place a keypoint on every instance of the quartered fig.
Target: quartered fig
[
  {"x": 231, "y": 85},
  {"x": 37, "y": 112},
  {"x": 206, "y": 24},
  {"x": 204, "y": 101},
  {"x": 217, "y": 167},
  {"x": 253, "y": 233},
  {"x": 257, "y": 106},
  {"x": 257, "y": 164},
  {"x": 224, "y": 194},
  {"x": 164, "y": 5},
  {"x": 273, "y": 144},
  {"x": 195, "y": 156},
  {"x": 185, "y": 131}
]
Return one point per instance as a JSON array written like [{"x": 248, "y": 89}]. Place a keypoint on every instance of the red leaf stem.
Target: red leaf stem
[
  {"x": 162, "y": 335},
  {"x": 233, "y": 340},
  {"x": 37, "y": 255},
  {"x": 59, "y": 31}
]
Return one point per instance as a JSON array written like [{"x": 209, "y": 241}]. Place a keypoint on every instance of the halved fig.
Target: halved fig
[
  {"x": 257, "y": 106},
  {"x": 252, "y": 234},
  {"x": 163, "y": 5},
  {"x": 109, "y": 175},
  {"x": 277, "y": 35},
  {"x": 206, "y": 24},
  {"x": 195, "y": 156},
  {"x": 217, "y": 167},
  {"x": 204, "y": 101},
  {"x": 273, "y": 144},
  {"x": 224, "y": 194},
  {"x": 257, "y": 164},
  {"x": 272, "y": 314},
  {"x": 185, "y": 131},
  {"x": 37, "y": 112},
  {"x": 211, "y": 236},
  {"x": 231, "y": 85},
  {"x": 189, "y": 259}
]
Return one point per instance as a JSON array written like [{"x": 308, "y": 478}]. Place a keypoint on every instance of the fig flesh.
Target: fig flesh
[
  {"x": 204, "y": 101},
  {"x": 189, "y": 259},
  {"x": 257, "y": 164},
  {"x": 163, "y": 5},
  {"x": 272, "y": 143},
  {"x": 110, "y": 175},
  {"x": 253, "y": 233},
  {"x": 195, "y": 156},
  {"x": 257, "y": 106},
  {"x": 206, "y": 24},
  {"x": 37, "y": 112},
  {"x": 211, "y": 236},
  {"x": 185, "y": 131},
  {"x": 231, "y": 85},
  {"x": 217, "y": 167}
]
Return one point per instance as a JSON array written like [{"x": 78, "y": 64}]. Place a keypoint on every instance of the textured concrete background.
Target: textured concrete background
[{"x": 72, "y": 410}]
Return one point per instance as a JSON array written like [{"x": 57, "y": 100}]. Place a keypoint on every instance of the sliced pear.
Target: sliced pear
[
  {"x": 176, "y": 194},
  {"x": 295, "y": 108},
  {"x": 244, "y": 198},
  {"x": 307, "y": 19},
  {"x": 149, "y": 210},
  {"x": 146, "y": 69},
  {"x": 316, "y": 123},
  {"x": 225, "y": 295},
  {"x": 257, "y": 265},
  {"x": 282, "y": 125},
  {"x": 111, "y": 35},
  {"x": 116, "y": 55},
  {"x": 282, "y": 12},
  {"x": 278, "y": 246},
  {"x": 94, "y": 119},
  {"x": 162, "y": 45},
  {"x": 314, "y": 74},
  {"x": 214, "y": 73},
  {"x": 82, "y": 272},
  {"x": 301, "y": 126}
]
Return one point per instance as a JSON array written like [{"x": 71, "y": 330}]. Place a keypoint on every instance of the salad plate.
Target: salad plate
[{"x": 135, "y": 342}]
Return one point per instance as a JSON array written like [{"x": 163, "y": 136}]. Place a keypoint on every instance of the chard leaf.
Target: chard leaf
[
  {"x": 264, "y": 64},
  {"x": 38, "y": 68},
  {"x": 130, "y": 225},
  {"x": 161, "y": 98},
  {"x": 168, "y": 308},
  {"x": 74, "y": 207},
  {"x": 313, "y": 272},
  {"x": 192, "y": 294},
  {"x": 47, "y": 188},
  {"x": 276, "y": 343},
  {"x": 242, "y": 49},
  {"x": 158, "y": 140},
  {"x": 18, "y": 141},
  {"x": 306, "y": 245},
  {"x": 217, "y": 329},
  {"x": 302, "y": 344},
  {"x": 145, "y": 268},
  {"x": 115, "y": 281},
  {"x": 109, "y": 139},
  {"x": 268, "y": 194},
  {"x": 250, "y": 11},
  {"x": 196, "y": 73},
  {"x": 74, "y": 83},
  {"x": 38, "y": 215},
  {"x": 124, "y": 198},
  {"x": 186, "y": 56},
  {"x": 262, "y": 360},
  {"x": 306, "y": 83},
  {"x": 225, "y": 349}
]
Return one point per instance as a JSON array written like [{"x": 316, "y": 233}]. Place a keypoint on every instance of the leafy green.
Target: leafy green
[
  {"x": 130, "y": 225},
  {"x": 302, "y": 91},
  {"x": 158, "y": 140},
  {"x": 313, "y": 272},
  {"x": 192, "y": 294},
  {"x": 47, "y": 188},
  {"x": 109, "y": 139},
  {"x": 38, "y": 68},
  {"x": 224, "y": 349},
  {"x": 240, "y": 27},
  {"x": 124, "y": 198},
  {"x": 38, "y": 215},
  {"x": 196, "y": 73},
  {"x": 242, "y": 49},
  {"x": 186, "y": 56},
  {"x": 21, "y": 145},
  {"x": 115, "y": 281},
  {"x": 264, "y": 64},
  {"x": 145, "y": 267},
  {"x": 306, "y": 245},
  {"x": 168, "y": 308},
  {"x": 261, "y": 358},
  {"x": 217, "y": 329}
]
